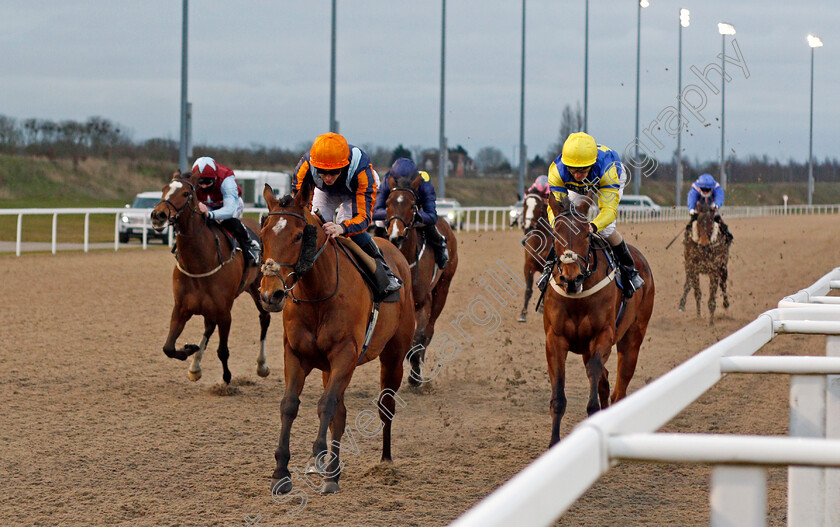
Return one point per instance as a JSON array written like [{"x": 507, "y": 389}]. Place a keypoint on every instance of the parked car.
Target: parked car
[
  {"x": 446, "y": 209},
  {"x": 638, "y": 202},
  {"x": 131, "y": 221}
]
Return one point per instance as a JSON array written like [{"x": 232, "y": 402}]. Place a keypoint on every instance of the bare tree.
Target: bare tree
[{"x": 571, "y": 121}]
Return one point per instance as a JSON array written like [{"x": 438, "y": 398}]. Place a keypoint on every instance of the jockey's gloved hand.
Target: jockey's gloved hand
[
  {"x": 693, "y": 216},
  {"x": 717, "y": 218}
]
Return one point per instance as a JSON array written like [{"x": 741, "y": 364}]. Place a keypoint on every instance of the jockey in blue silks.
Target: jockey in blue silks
[
  {"x": 405, "y": 171},
  {"x": 708, "y": 190}
]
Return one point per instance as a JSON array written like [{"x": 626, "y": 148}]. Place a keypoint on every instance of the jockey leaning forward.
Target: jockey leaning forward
[
  {"x": 405, "y": 171},
  {"x": 540, "y": 187},
  {"x": 220, "y": 199},
  {"x": 708, "y": 190},
  {"x": 583, "y": 166},
  {"x": 344, "y": 179}
]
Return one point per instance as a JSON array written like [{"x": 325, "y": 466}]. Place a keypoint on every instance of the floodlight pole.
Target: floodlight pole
[{"x": 182, "y": 150}]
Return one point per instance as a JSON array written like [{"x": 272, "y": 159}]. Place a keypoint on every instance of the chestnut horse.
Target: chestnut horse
[
  {"x": 584, "y": 313},
  {"x": 537, "y": 243},
  {"x": 430, "y": 285},
  {"x": 706, "y": 252},
  {"x": 207, "y": 278},
  {"x": 324, "y": 327}
]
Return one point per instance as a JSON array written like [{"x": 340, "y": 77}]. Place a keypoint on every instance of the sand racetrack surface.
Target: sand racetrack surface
[{"x": 100, "y": 428}]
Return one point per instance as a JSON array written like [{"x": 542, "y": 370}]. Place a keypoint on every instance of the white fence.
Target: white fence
[
  {"x": 545, "y": 489},
  {"x": 468, "y": 219}
]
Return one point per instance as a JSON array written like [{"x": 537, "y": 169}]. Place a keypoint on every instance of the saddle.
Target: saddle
[{"x": 372, "y": 271}]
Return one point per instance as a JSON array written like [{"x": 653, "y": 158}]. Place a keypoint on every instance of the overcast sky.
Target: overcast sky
[{"x": 259, "y": 71}]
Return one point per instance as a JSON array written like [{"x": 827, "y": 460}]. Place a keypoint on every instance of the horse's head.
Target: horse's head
[
  {"x": 178, "y": 196},
  {"x": 704, "y": 230},
  {"x": 401, "y": 207},
  {"x": 533, "y": 209},
  {"x": 290, "y": 238},
  {"x": 571, "y": 241}
]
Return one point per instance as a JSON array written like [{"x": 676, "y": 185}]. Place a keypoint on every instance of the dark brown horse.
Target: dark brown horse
[
  {"x": 706, "y": 251},
  {"x": 537, "y": 243},
  {"x": 584, "y": 314},
  {"x": 324, "y": 326},
  {"x": 430, "y": 285},
  {"x": 207, "y": 278}
]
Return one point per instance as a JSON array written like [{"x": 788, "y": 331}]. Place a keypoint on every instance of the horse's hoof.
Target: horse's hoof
[
  {"x": 281, "y": 486},
  {"x": 522, "y": 318},
  {"x": 329, "y": 487},
  {"x": 263, "y": 370},
  {"x": 194, "y": 375},
  {"x": 681, "y": 309}
]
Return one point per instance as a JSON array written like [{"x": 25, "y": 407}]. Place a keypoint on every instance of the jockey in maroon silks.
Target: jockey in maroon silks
[{"x": 220, "y": 199}]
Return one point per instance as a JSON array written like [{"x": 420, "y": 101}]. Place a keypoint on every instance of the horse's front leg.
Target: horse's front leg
[
  {"x": 194, "y": 373},
  {"x": 724, "y": 276},
  {"x": 529, "y": 290},
  {"x": 686, "y": 289},
  {"x": 421, "y": 320},
  {"x": 295, "y": 375},
  {"x": 223, "y": 352},
  {"x": 698, "y": 294},
  {"x": 713, "y": 285},
  {"x": 556, "y": 350},
  {"x": 177, "y": 322},
  {"x": 341, "y": 371},
  {"x": 265, "y": 320},
  {"x": 599, "y": 386}
]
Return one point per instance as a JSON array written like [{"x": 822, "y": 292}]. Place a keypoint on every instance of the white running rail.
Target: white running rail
[
  {"x": 468, "y": 219},
  {"x": 545, "y": 489}
]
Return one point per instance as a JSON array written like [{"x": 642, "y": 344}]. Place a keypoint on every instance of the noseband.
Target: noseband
[{"x": 272, "y": 268}]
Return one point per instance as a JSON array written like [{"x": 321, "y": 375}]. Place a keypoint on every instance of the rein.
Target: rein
[{"x": 272, "y": 268}]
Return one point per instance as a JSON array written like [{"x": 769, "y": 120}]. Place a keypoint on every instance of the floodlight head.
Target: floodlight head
[
  {"x": 726, "y": 29},
  {"x": 644, "y": 3},
  {"x": 814, "y": 41},
  {"x": 685, "y": 14}
]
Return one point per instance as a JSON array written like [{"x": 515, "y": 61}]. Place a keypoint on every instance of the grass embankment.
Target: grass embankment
[
  {"x": 27, "y": 182},
  {"x": 40, "y": 182}
]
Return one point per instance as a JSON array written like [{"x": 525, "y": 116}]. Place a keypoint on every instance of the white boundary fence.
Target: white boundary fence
[
  {"x": 544, "y": 490},
  {"x": 469, "y": 219}
]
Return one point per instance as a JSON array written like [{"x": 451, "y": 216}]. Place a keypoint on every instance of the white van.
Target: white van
[{"x": 137, "y": 215}]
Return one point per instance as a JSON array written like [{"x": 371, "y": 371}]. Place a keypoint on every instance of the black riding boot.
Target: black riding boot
[
  {"x": 438, "y": 242},
  {"x": 542, "y": 282},
  {"x": 724, "y": 228},
  {"x": 632, "y": 280},
  {"x": 250, "y": 248},
  {"x": 372, "y": 250}
]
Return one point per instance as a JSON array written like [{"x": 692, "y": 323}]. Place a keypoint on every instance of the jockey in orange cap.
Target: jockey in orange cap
[
  {"x": 220, "y": 199},
  {"x": 344, "y": 179}
]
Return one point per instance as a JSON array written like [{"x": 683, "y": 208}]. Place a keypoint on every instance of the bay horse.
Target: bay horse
[
  {"x": 584, "y": 313},
  {"x": 207, "y": 278},
  {"x": 324, "y": 327},
  {"x": 430, "y": 285},
  {"x": 537, "y": 244},
  {"x": 706, "y": 251}
]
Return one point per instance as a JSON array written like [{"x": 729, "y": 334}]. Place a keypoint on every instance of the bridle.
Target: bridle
[
  {"x": 272, "y": 268},
  {"x": 534, "y": 222},
  {"x": 569, "y": 257},
  {"x": 172, "y": 220},
  {"x": 406, "y": 224}
]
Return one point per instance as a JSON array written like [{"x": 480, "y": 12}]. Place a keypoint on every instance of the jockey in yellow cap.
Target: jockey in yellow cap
[{"x": 582, "y": 166}]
